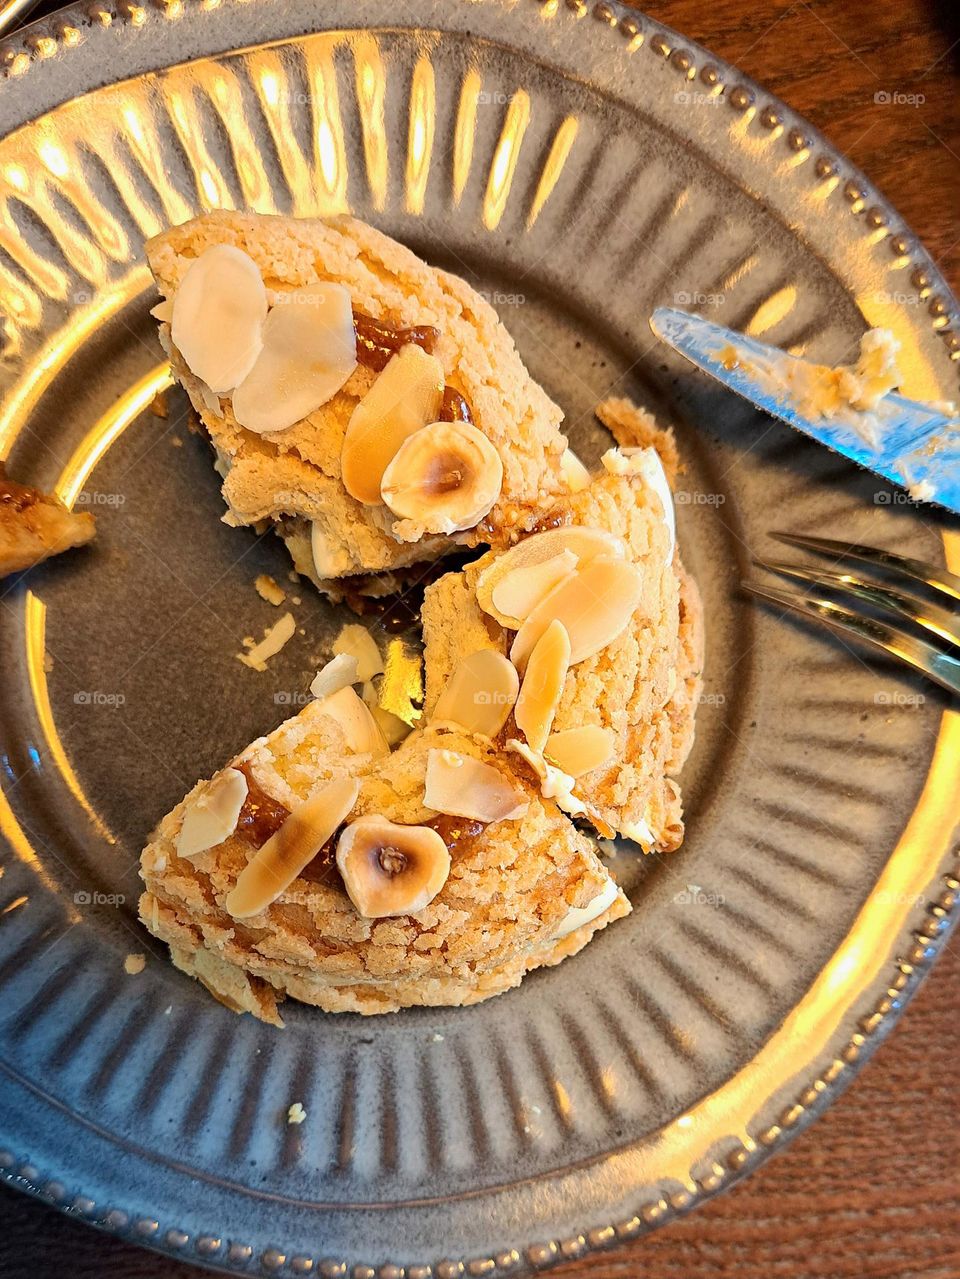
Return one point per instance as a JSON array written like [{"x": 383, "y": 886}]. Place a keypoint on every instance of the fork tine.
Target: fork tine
[
  {"x": 939, "y": 621},
  {"x": 923, "y": 657},
  {"x": 939, "y": 579}
]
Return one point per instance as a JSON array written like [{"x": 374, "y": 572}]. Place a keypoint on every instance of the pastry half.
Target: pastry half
[
  {"x": 639, "y": 692},
  {"x": 309, "y": 319},
  {"x": 519, "y": 892}
]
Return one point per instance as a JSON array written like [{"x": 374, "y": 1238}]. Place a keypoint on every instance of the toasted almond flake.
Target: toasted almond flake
[
  {"x": 360, "y": 729},
  {"x": 542, "y": 685},
  {"x": 338, "y": 673},
  {"x": 212, "y": 814},
  {"x": 281, "y": 859},
  {"x": 404, "y": 398},
  {"x": 268, "y": 590},
  {"x": 585, "y": 543},
  {"x": 309, "y": 351},
  {"x": 329, "y": 558},
  {"x": 466, "y": 787},
  {"x": 211, "y": 401},
  {"x": 218, "y": 316},
  {"x": 134, "y": 964},
  {"x": 273, "y": 641},
  {"x": 163, "y": 311},
  {"x": 575, "y": 474},
  {"x": 442, "y": 479},
  {"x": 296, "y": 1113},
  {"x": 577, "y": 916},
  {"x": 389, "y": 869},
  {"x": 595, "y": 604},
  {"x": 646, "y": 462},
  {"x": 356, "y": 641},
  {"x": 480, "y": 693},
  {"x": 394, "y": 728},
  {"x": 516, "y": 595},
  {"x": 578, "y": 751}
]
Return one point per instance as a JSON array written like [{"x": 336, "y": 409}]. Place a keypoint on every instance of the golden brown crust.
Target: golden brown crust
[
  {"x": 508, "y": 893},
  {"x": 296, "y": 472}
]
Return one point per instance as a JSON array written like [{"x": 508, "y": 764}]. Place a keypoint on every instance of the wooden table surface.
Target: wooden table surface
[{"x": 873, "y": 1189}]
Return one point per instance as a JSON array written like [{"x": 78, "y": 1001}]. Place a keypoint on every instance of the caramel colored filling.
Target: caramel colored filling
[
  {"x": 378, "y": 342},
  {"x": 261, "y": 815}
]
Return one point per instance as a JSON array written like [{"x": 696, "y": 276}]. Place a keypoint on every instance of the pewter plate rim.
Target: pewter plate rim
[{"x": 600, "y": 24}]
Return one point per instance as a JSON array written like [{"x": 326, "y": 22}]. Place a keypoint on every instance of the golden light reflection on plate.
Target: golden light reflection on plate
[{"x": 88, "y": 453}]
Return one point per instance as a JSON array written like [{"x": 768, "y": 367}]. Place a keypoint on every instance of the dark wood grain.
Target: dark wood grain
[{"x": 873, "y": 1189}]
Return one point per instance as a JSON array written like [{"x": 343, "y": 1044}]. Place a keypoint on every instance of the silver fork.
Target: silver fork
[{"x": 939, "y": 616}]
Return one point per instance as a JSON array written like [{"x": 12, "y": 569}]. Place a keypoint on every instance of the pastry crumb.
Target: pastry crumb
[
  {"x": 436, "y": 1037},
  {"x": 273, "y": 641},
  {"x": 134, "y": 964},
  {"x": 268, "y": 590},
  {"x": 296, "y": 1114},
  {"x": 159, "y": 405}
]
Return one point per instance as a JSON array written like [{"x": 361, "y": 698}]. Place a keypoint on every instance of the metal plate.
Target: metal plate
[{"x": 581, "y": 172}]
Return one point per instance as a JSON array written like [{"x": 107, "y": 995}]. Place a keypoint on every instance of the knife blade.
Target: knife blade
[{"x": 914, "y": 445}]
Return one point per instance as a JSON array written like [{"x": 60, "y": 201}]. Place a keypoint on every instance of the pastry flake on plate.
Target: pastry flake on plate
[{"x": 34, "y": 526}]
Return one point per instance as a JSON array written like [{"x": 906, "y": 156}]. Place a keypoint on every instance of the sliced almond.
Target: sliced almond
[
  {"x": 359, "y": 727},
  {"x": 394, "y": 729},
  {"x": 575, "y": 474},
  {"x": 480, "y": 693},
  {"x": 578, "y": 751},
  {"x": 287, "y": 851},
  {"x": 357, "y": 641},
  {"x": 518, "y": 594},
  {"x": 443, "y": 478},
  {"x": 338, "y": 673},
  {"x": 405, "y": 397},
  {"x": 213, "y": 814},
  {"x": 218, "y": 315},
  {"x": 465, "y": 787},
  {"x": 309, "y": 351},
  {"x": 329, "y": 558},
  {"x": 389, "y": 869},
  {"x": 585, "y": 543},
  {"x": 577, "y": 916},
  {"x": 542, "y": 685},
  {"x": 595, "y": 605}
]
